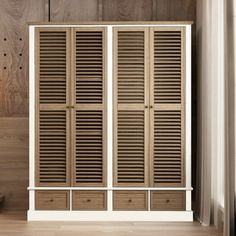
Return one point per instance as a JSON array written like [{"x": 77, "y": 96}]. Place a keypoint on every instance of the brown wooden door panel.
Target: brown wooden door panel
[
  {"x": 149, "y": 74},
  {"x": 130, "y": 111},
  {"x": 89, "y": 100},
  {"x": 167, "y": 76},
  {"x": 52, "y": 100}
]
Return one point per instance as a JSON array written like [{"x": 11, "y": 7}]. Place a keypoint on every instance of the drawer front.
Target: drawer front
[
  {"x": 52, "y": 200},
  {"x": 130, "y": 200},
  {"x": 89, "y": 200},
  {"x": 167, "y": 200}
]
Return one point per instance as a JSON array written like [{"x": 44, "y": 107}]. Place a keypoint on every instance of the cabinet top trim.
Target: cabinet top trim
[{"x": 114, "y": 23}]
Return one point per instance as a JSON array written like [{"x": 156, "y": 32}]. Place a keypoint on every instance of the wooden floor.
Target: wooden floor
[{"x": 15, "y": 224}]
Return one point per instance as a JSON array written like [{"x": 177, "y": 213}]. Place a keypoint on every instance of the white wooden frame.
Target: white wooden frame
[{"x": 108, "y": 215}]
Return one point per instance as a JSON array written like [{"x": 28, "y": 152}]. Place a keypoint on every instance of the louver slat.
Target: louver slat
[
  {"x": 130, "y": 68},
  {"x": 89, "y": 147},
  {"x": 167, "y": 66},
  {"x": 52, "y": 163},
  {"x": 52, "y": 66},
  {"x": 167, "y": 161},
  {"x": 130, "y": 150},
  {"x": 89, "y": 67}
]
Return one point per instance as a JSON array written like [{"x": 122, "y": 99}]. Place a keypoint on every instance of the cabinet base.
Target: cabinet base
[{"x": 177, "y": 216}]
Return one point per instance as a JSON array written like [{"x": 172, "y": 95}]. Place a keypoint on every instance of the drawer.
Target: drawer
[
  {"x": 130, "y": 200},
  {"x": 167, "y": 200},
  {"x": 52, "y": 200},
  {"x": 89, "y": 200}
]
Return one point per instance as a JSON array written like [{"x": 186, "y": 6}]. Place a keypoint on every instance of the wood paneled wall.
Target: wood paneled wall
[{"x": 14, "y": 15}]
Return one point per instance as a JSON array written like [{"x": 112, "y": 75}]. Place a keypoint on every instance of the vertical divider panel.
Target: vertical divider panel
[
  {"x": 110, "y": 126},
  {"x": 130, "y": 106}
]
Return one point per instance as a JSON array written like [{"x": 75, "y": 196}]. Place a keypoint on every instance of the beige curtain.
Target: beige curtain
[
  {"x": 211, "y": 142},
  {"x": 216, "y": 118}
]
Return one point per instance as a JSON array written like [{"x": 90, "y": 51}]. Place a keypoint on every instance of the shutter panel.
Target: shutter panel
[
  {"x": 89, "y": 67},
  {"x": 52, "y": 146},
  {"x": 130, "y": 150},
  {"x": 167, "y": 67},
  {"x": 131, "y": 67},
  {"x": 130, "y": 115},
  {"x": 52, "y": 67},
  {"x": 89, "y": 153},
  {"x": 90, "y": 103},
  {"x": 167, "y": 99},
  {"x": 167, "y": 147},
  {"x": 52, "y": 117}
]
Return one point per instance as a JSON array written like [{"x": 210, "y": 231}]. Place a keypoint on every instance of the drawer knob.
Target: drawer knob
[
  {"x": 167, "y": 200},
  {"x": 88, "y": 200},
  {"x": 130, "y": 200}
]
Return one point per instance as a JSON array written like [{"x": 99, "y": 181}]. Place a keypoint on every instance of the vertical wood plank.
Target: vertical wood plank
[
  {"x": 175, "y": 10},
  {"x": 154, "y": 9},
  {"x": 14, "y": 162},
  {"x": 100, "y": 4},
  {"x": 14, "y": 15},
  {"x": 74, "y": 10},
  {"x": 127, "y": 10}
]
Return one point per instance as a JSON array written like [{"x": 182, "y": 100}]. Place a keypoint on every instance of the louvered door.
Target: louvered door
[
  {"x": 130, "y": 106},
  {"x": 89, "y": 100},
  {"x": 52, "y": 115},
  {"x": 167, "y": 106}
]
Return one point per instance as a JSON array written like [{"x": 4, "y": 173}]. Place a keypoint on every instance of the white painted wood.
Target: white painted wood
[
  {"x": 31, "y": 200},
  {"x": 188, "y": 134},
  {"x": 106, "y": 25},
  {"x": 110, "y": 117},
  {"x": 70, "y": 200},
  {"x": 188, "y": 102},
  {"x": 31, "y": 117},
  {"x": 176, "y": 216},
  {"x": 109, "y": 215},
  {"x": 112, "y": 188},
  {"x": 31, "y": 107},
  {"x": 188, "y": 200},
  {"x": 149, "y": 200}
]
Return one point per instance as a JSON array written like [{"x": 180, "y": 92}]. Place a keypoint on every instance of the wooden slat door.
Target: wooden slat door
[
  {"x": 167, "y": 111},
  {"x": 52, "y": 100},
  {"x": 131, "y": 98},
  {"x": 89, "y": 102}
]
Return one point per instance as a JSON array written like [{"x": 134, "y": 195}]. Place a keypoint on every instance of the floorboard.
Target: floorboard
[{"x": 15, "y": 224}]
